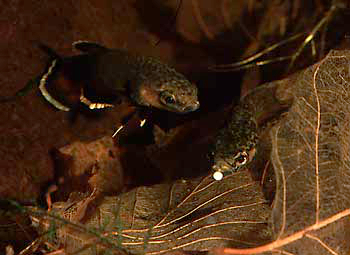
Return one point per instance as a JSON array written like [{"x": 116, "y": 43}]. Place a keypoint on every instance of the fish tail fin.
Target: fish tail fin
[
  {"x": 31, "y": 84},
  {"x": 23, "y": 91},
  {"x": 51, "y": 69},
  {"x": 42, "y": 80}
]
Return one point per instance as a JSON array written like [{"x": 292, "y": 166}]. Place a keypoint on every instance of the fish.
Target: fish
[
  {"x": 235, "y": 144},
  {"x": 100, "y": 75}
]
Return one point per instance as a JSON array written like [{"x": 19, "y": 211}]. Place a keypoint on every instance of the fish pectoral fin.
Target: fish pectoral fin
[
  {"x": 93, "y": 105},
  {"x": 88, "y": 47}
]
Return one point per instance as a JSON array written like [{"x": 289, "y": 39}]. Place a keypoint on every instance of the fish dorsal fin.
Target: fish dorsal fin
[{"x": 88, "y": 47}]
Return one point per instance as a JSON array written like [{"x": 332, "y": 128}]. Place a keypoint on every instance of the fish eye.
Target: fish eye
[
  {"x": 167, "y": 98},
  {"x": 170, "y": 100},
  {"x": 241, "y": 158}
]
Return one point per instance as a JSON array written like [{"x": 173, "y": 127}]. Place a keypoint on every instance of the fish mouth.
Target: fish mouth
[
  {"x": 181, "y": 109},
  {"x": 191, "y": 108},
  {"x": 223, "y": 166},
  {"x": 220, "y": 169}
]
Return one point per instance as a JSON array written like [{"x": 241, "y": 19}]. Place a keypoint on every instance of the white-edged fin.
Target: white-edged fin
[
  {"x": 46, "y": 94},
  {"x": 88, "y": 47},
  {"x": 92, "y": 105}
]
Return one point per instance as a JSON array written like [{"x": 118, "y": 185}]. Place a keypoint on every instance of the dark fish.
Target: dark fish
[
  {"x": 100, "y": 75},
  {"x": 236, "y": 143}
]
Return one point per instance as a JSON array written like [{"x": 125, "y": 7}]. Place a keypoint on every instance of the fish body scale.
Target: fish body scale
[
  {"x": 118, "y": 69},
  {"x": 236, "y": 142},
  {"x": 145, "y": 80}
]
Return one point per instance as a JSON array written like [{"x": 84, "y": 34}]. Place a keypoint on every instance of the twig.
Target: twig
[
  {"x": 234, "y": 66},
  {"x": 311, "y": 36}
]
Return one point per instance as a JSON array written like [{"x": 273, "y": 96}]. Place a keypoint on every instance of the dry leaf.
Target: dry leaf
[
  {"x": 186, "y": 215},
  {"x": 310, "y": 156},
  {"x": 97, "y": 161},
  {"x": 310, "y": 213}
]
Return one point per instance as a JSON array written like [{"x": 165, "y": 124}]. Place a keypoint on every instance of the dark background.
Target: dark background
[{"x": 202, "y": 34}]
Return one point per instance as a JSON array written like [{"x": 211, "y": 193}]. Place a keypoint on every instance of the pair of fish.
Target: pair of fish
[{"x": 105, "y": 74}]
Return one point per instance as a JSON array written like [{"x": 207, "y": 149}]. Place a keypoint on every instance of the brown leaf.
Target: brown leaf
[
  {"x": 313, "y": 169},
  {"x": 98, "y": 160},
  {"x": 310, "y": 156},
  {"x": 184, "y": 215}
]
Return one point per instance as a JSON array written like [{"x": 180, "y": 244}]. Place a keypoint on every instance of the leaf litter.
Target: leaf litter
[
  {"x": 190, "y": 215},
  {"x": 339, "y": 235},
  {"x": 310, "y": 211}
]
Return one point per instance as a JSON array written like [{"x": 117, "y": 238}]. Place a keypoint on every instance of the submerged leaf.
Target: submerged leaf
[
  {"x": 311, "y": 209},
  {"x": 310, "y": 157},
  {"x": 185, "y": 215}
]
